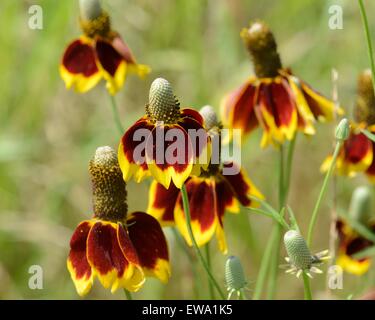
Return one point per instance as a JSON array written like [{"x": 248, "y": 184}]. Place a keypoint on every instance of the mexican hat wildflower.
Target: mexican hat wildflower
[
  {"x": 100, "y": 53},
  {"x": 350, "y": 242},
  {"x": 357, "y": 153},
  {"x": 118, "y": 248},
  {"x": 274, "y": 99},
  {"x": 168, "y": 143},
  {"x": 210, "y": 194}
]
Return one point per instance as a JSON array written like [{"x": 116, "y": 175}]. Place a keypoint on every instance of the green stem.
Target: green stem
[
  {"x": 116, "y": 115},
  {"x": 270, "y": 258},
  {"x": 264, "y": 267},
  {"x": 368, "y": 39},
  {"x": 185, "y": 202},
  {"x": 128, "y": 295},
  {"x": 306, "y": 285},
  {"x": 322, "y": 192},
  {"x": 208, "y": 259},
  {"x": 182, "y": 245},
  {"x": 242, "y": 295}
]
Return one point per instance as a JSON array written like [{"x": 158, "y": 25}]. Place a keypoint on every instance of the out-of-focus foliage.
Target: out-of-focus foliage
[{"x": 48, "y": 134}]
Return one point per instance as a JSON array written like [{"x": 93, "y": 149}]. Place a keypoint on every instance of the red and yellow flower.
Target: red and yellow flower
[
  {"x": 117, "y": 248},
  {"x": 210, "y": 194},
  {"x": 100, "y": 53},
  {"x": 274, "y": 99},
  {"x": 167, "y": 143},
  {"x": 351, "y": 243},
  {"x": 357, "y": 152}
]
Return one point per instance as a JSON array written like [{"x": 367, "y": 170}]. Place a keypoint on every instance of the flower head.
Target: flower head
[
  {"x": 100, "y": 53},
  {"x": 357, "y": 152},
  {"x": 300, "y": 260},
  {"x": 168, "y": 143},
  {"x": 117, "y": 248},
  {"x": 210, "y": 195},
  {"x": 274, "y": 99},
  {"x": 350, "y": 242}
]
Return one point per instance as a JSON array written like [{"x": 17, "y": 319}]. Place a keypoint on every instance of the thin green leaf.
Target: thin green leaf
[{"x": 368, "y": 134}]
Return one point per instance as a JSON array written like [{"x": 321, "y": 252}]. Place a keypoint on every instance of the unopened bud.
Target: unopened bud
[
  {"x": 360, "y": 204},
  {"x": 343, "y": 130},
  {"x": 298, "y": 251},
  {"x": 234, "y": 275}
]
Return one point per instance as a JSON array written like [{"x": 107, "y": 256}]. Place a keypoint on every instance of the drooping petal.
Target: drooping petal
[
  {"x": 370, "y": 172},
  {"x": 78, "y": 266},
  {"x": 225, "y": 200},
  {"x": 137, "y": 279},
  {"x": 306, "y": 118},
  {"x": 161, "y": 203},
  {"x": 322, "y": 108},
  {"x": 203, "y": 210},
  {"x": 78, "y": 67},
  {"x": 132, "y": 151},
  {"x": 169, "y": 155},
  {"x": 150, "y": 243},
  {"x": 112, "y": 65},
  {"x": 346, "y": 252},
  {"x": 123, "y": 49},
  {"x": 106, "y": 257},
  {"x": 278, "y": 110},
  {"x": 237, "y": 108},
  {"x": 241, "y": 185},
  {"x": 199, "y": 138}
]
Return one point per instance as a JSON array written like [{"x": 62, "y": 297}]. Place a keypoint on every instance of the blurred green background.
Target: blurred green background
[{"x": 48, "y": 134}]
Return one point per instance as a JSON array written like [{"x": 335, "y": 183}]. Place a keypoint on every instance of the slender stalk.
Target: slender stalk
[
  {"x": 322, "y": 192},
  {"x": 242, "y": 295},
  {"x": 185, "y": 202},
  {"x": 332, "y": 227},
  {"x": 208, "y": 259},
  {"x": 116, "y": 115},
  {"x": 271, "y": 255},
  {"x": 264, "y": 267},
  {"x": 128, "y": 295},
  {"x": 196, "y": 274},
  {"x": 368, "y": 39},
  {"x": 284, "y": 183},
  {"x": 306, "y": 285}
]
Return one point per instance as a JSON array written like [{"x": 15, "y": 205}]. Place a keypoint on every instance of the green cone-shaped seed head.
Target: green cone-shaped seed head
[
  {"x": 360, "y": 204},
  {"x": 162, "y": 105},
  {"x": 343, "y": 130},
  {"x": 108, "y": 186},
  {"x": 209, "y": 116},
  {"x": 90, "y": 9},
  {"x": 297, "y": 249},
  {"x": 234, "y": 275}
]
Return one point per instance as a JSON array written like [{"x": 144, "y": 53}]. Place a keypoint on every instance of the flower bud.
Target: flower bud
[
  {"x": 360, "y": 204},
  {"x": 343, "y": 130},
  {"x": 298, "y": 251},
  {"x": 234, "y": 275},
  {"x": 209, "y": 116},
  {"x": 108, "y": 186},
  {"x": 262, "y": 47},
  {"x": 162, "y": 105}
]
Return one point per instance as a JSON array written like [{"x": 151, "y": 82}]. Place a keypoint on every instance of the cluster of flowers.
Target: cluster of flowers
[{"x": 120, "y": 248}]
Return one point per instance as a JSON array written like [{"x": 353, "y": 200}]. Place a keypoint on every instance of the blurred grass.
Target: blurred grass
[{"x": 48, "y": 134}]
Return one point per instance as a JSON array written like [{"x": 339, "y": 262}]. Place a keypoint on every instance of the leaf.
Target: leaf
[{"x": 368, "y": 134}]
